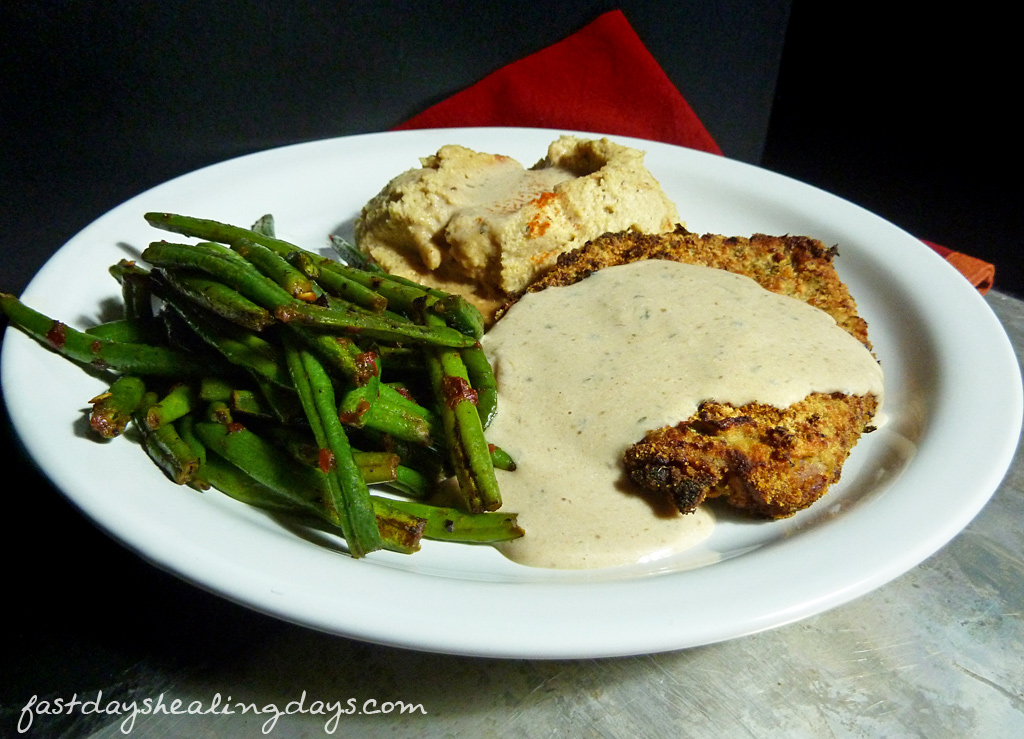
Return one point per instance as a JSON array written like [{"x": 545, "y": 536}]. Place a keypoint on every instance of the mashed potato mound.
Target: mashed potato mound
[{"x": 483, "y": 226}]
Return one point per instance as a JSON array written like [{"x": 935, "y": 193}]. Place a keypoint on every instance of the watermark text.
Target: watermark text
[{"x": 331, "y": 711}]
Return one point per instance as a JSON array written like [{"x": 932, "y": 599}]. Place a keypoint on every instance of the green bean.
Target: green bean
[
  {"x": 429, "y": 461},
  {"x": 185, "y": 426},
  {"x": 113, "y": 409},
  {"x": 371, "y": 326},
  {"x": 337, "y": 284},
  {"x": 120, "y": 329},
  {"x": 399, "y": 397},
  {"x": 400, "y": 293},
  {"x": 277, "y": 268},
  {"x": 216, "y": 297},
  {"x": 126, "y": 357},
  {"x": 224, "y": 252},
  {"x": 249, "y": 403},
  {"x": 265, "y": 225},
  {"x": 337, "y": 352},
  {"x": 376, "y": 467},
  {"x": 400, "y": 531},
  {"x": 403, "y": 295},
  {"x": 267, "y": 293},
  {"x": 265, "y": 400},
  {"x": 348, "y": 493},
  {"x": 294, "y": 486},
  {"x": 277, "y": 481},
  {"x": 481, "y": 378},
  {"x": 281, "y": 402},
  {"x": 137, "y": 294},
  {"x": 165, "y": 447},
  {"x": 450, "y": 524},
  {"x": 400, "y": 296},
  {"x": 239, "y": 274},
  {"x": 235, "y": 483},
  {"x": 458, "y": 313},
  {"x": 176, "y": 403},
  {"x": 295, "y": 441},
  {"x": 210, "y": 230},
  {"x": 350, "y": 255},
  {"x": 366, "y": 406},
  {"x": 411, "y": 482},
  {"x": 258, "y": 457},
  {"x": 463, "y": 430},
  {"x": 177, "y": 334},
  {"x": 124, "y": 267},
  {"x": 501, "y": 459},
  {"x": 295, "y": 344},
  {"x": 215, "y": 388},
  {"x": 400, "y": 359},
  {"x": 238, "y": 346}
]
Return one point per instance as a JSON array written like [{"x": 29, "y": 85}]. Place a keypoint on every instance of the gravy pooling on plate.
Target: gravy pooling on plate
[{"x": 585, "y": 369}]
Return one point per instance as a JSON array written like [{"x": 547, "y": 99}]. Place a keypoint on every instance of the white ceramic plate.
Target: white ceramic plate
[{"x": 954, "y": 402}]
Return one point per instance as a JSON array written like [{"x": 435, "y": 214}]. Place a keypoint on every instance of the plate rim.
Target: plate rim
[{"x": 656, "y": 639}]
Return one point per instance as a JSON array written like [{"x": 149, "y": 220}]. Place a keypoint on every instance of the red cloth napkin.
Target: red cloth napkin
[
  {"x": 602, "y": 78},
  {"x": 979, "y": 272}
]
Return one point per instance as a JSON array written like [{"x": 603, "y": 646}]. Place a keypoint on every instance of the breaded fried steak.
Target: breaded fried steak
[{"x": 767, "y": 461}]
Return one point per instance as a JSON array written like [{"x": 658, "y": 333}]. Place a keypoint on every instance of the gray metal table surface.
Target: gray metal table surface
[{"x": 934, "y": 653}]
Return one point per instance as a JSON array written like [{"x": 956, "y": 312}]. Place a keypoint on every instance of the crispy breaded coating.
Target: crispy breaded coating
[
  {"x": 767, "y": 461},
  {"x": 797, "y": 266}
]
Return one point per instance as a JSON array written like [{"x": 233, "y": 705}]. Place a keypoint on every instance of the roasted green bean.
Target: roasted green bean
[{"x": 256, "y": 367}]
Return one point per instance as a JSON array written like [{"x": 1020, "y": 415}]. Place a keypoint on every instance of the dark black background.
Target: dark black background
[
  {"x": 103, "y": 100},
  {"x": 910, "y": 115}
]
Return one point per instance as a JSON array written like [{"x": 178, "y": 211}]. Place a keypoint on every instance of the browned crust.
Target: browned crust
[
  {"x": 797, "y": 266},
  {"x": 766, "y": 461}
]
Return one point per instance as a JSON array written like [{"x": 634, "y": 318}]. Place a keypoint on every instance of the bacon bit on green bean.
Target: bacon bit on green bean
[
  {"x": 117, "y": 356},
  {"x": 279, "y": 377},
  {"x": 463, "y": 429},
  {"x": 112, "y": 410}
]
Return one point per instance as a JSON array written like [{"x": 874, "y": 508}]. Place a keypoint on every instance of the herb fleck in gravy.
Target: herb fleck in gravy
[{"x": 585, "y": 370}]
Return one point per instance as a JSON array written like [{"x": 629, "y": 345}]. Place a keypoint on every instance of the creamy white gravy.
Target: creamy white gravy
[
  {"x": 585, "y": 370},
  {"x": 490, "y": 203},
  {"x": 501, "y": 191}
]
